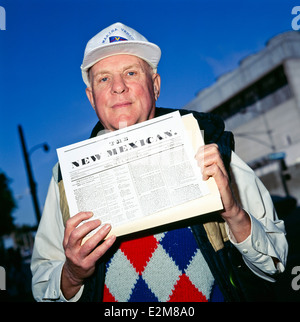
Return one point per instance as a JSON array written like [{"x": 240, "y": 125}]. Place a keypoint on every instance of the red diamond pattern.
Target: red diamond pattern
[
  {"x": 193, "y": 294},
  {"x": 146, "y": 245},
  {"x": 107, "y": 296}
]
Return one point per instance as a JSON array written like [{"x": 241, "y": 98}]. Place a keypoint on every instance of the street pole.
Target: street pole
[{"x": 31, "y": 181}]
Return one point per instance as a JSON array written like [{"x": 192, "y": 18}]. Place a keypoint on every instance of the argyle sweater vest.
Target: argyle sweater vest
[{"x": 165, "y": 267}]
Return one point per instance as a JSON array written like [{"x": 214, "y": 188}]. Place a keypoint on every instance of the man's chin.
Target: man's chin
[{"x": 125, "y": 121}]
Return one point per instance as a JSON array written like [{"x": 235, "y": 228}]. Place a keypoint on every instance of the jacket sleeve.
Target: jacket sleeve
[
  {"x": 48, "y": 254},
  {"x": 267, "y": 240}
]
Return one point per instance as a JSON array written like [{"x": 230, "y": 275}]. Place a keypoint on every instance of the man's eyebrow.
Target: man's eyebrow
[
  {"x": 105, "y": 72},
  {"x": 101, "y": 72},
  {"x": 134, "y": 66}
]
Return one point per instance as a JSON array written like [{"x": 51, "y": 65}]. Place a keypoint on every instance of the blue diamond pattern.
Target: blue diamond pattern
[
  {"x": 142, "y": 293},
  {"x": 183, "y": 251},
  {"x": 216, "y": 294}
]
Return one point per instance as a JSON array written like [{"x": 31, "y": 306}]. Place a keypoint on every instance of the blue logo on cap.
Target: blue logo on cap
[{"x": 116, "y": 39}]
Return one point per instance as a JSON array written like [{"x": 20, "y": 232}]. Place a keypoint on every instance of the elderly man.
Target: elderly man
[{"x": 192, "y": 261}]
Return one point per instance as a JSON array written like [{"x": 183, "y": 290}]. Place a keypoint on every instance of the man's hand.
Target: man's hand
[
  {"x": 81, "y": 258},
  {"x": 210, "y": 161}
]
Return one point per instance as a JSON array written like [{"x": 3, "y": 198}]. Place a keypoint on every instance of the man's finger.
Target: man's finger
[
  {"x": 94, "y": 240},
  {"x": 208, "y": 155},
  {"x": 73, "y": 222},
  {"x": 102, "y": 249},
  {"x": 80, "y": 232}
]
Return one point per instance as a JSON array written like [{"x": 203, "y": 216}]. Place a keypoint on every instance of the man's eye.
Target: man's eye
[
  {"x": 131, "y": 73},
  {"x": 104, "y": 79}
]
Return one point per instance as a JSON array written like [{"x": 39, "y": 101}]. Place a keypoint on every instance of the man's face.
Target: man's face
[{"x": 123, "y": 91}]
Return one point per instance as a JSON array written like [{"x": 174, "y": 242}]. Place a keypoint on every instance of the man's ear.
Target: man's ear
[
  {"x": 89, "y": 94},
  {"x": 156, "y": 85}
]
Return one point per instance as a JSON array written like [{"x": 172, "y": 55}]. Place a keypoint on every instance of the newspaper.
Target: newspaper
[{"x": 140, "y": 176}]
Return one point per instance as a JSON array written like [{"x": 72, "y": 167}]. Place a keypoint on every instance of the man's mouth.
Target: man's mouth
[{"x": 121, "y": 104}]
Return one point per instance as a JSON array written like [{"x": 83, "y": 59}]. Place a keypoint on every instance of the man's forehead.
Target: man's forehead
[{"x": 118, "y": 63}]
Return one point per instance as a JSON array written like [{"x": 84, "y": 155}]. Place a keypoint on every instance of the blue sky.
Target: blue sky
[{"x": 42, "y": 48}]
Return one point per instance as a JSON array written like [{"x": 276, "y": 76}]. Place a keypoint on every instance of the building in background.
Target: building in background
[{"x": 260, "y": 102}]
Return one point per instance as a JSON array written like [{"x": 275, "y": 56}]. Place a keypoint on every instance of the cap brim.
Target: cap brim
[{"x": 145, "y": 50}]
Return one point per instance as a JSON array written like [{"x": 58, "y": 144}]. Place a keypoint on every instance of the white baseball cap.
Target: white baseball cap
[{"x": 115, "y": 40}]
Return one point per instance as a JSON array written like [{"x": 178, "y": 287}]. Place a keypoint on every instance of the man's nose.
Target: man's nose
[{"x": 118, "y": 85}]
